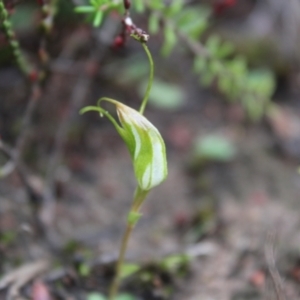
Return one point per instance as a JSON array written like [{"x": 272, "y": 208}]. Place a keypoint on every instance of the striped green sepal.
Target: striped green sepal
[{"x": 144, "y": 142}]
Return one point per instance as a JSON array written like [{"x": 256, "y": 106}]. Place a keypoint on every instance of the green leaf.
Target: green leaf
[
  {"x": 153, "y": 23},
  {"x": 98, "y": 18},
  {"x": 23, "y": 18},
  {"x": 164, "y": 95},
  {"x": 225, "y": 84},
  {"x": 133, "y": 217},
  {"x": 131, "y": 70},
  {"x": 84, "y": 269},
  {"x": 193, "y": 21},
  {"x": 206, "y": 78},
  {"x": 95, "y": 3},
  {"x": 170, "y": 40},
  {"x": 262, "y": 81},
  {"x": 237, "y": 66},
  {"x": 253, "y": 106},
  {"x": 7, "y": 237},
  {"x": 174, "y": 8},
  {"x": 125, "y": 297},
  {"x": 215, "y": 67},
  {"x": 200, "y": 64},
  {"x": 156, "y": 4},
  {"x": 129, "y": 269},
  {"x": 214, "y": 148},
  {"x": 97, "y": 10},
  {"x": 196, "y": 29},
  {"x": 225, "y": 50},
  {"x": 84, "y": 9},
  {"x": 173, "y": 262},
  {"x": 96, "y": 296},
  {"x": 213, "y": 44},
  {"x": 139, "y": 5}
]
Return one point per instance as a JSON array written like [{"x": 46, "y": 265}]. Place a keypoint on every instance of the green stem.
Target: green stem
[
  {"x": 146, "y": 97},
  {"x": 13, "y": 42},
  {"x": 139, "y": 198},
  {"x": 49, "y": 9},
  {"x": 116, "y": 282}
]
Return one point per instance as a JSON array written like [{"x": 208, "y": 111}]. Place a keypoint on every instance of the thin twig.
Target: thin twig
[
  {"x": 78, "y": 95},
  {"x": 35, "y": 95},
  {"x": 15, "y": 154},
  {"x": 49, "y": 10},
  {"x": 33, "y": 195},
  {"x": 9, "y": 167},
  {"x": 12, "y": 40},
  {"x": 275, "y": 276},
  {"x": 19, "y": 277},
  {"x": 82, "y": 86},
  {"x": 24, "y": 66}
]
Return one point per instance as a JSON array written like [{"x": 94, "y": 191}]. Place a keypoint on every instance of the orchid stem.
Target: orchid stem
[
  {"x": 116, "y": 282},
  {"x": 146, "y": 97},
  {"x": 139, "y": 198}
]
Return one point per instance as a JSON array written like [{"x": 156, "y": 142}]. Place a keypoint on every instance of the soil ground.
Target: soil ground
[{"x": 238, "y": 220}]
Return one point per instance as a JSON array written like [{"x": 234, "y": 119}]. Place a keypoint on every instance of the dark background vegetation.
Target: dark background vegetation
[{"x": 228, "y": 214}]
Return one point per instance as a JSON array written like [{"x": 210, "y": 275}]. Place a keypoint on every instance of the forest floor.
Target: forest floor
[
  {"x": 214, "y": 230},
  {"x": 238, "y": 221}
]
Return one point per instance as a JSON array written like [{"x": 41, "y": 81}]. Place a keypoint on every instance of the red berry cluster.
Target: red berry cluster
[
  {"x": 222, "y": 5},
  {"x": 127, "y": 4},
  {"x": 33, "y": 76},
  {"x": 120, "y": 40},
  {"x": 40, "y": 2},
  {"x": 129, "y": 28}
]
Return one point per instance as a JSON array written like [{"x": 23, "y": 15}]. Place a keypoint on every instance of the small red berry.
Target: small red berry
[
  {"x": 127, "y": 4},
  {"x": 222, "y": 5},
  {"x": 33, "y": 76},
  {"x": 118, "y": 42}
]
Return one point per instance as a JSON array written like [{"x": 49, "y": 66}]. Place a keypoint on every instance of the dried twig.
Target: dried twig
[
  {"x": 275, "y": 276},
  {"x": 35, "y": 78},
  {"x": 16, "y": 279},
  {"x": 79, "y": 93}
]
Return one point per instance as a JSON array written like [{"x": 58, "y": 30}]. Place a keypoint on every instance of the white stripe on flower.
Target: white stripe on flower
[
  {"x": 149, "y": 155},
  {"x": 138, "y": 142}
]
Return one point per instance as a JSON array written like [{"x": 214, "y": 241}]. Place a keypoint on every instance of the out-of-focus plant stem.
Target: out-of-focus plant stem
[
  {"x": 139, "y": 198},
  {"x": 13, "y": 42},
  {"x": 146, "y": 97}
]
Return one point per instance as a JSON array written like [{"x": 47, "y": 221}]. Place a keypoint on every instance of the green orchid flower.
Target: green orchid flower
[{"x": 143, "y": 140}]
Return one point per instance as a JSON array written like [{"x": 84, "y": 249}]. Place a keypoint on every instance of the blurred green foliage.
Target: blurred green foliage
[
  {"x": 183, "y": 26},
  {"x": 98, "y": 296},
  {"x": 7, "y": 237},
  {"x": 213, "y": 148},
  {"x": 95, "y": 296},
  {"x": 164, "y": 95},
  {"x": 129, "y": 269},
  {"x": 97, "y": 8},
  {"x": 22, "y": 17},
  {"x": 216, "y": 64}
]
